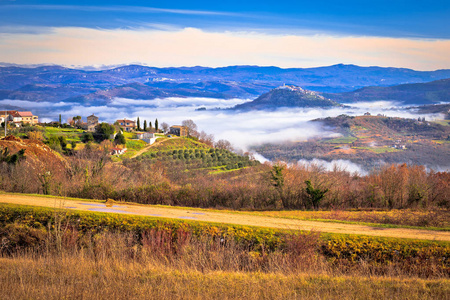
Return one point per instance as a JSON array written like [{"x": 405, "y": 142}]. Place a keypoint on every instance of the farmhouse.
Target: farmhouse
[
  {"x": 178, "y": 130},
  {"x": 127, "y": 125},
  {"x": 3, "y": 116},
  {"x": 28, "y": 118},
  {"x": 118, "y": 151},
  {"x": 17, "y": 117}
]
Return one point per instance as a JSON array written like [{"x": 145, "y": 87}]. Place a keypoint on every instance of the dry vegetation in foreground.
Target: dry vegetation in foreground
[
  {"x": 78, "y": 277},
  {"x": 52, "y": 254},
  {"x": 108, "y": 266}
]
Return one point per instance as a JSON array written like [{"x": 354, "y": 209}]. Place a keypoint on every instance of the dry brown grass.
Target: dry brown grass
[
  {"x": 77, "y": 276},
  {"x": 113, "y": 266}
]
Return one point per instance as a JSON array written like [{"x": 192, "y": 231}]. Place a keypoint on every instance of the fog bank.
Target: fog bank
[{"x": 242, "y": 129}]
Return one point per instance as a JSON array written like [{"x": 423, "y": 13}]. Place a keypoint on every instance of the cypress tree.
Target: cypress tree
[
  {"x": 156, "y": 125},
  {"x": 145, "y": 125},
  {"x": 138, "y": 124}
]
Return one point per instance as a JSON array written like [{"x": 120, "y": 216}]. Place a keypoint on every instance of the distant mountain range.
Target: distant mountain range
[
  {"x": 56, "y": 83},
  {"x": 287, "y": 96},
  {"x": 434, "y": 92}
]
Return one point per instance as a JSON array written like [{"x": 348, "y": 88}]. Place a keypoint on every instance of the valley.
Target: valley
[{"x": 371, "y": 141}]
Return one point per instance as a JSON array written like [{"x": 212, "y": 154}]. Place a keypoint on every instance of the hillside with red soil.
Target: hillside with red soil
[{"x": 37, "y": 154}]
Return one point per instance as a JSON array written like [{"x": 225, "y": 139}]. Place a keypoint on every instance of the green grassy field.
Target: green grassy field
[
  {"x": 384, "y": 149},
  {"x": 342, "y": 140},
  {"x": 177, "y": 144},
  {"x": 71, "y": 134}
]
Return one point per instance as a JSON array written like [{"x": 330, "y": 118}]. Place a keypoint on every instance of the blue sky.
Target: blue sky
[
  {"x": 417, "y": 24},
  {"x": 421, "y": 19}
]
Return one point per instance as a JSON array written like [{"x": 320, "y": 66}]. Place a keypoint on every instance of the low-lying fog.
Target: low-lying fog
[{"x": 242, "y": 129}]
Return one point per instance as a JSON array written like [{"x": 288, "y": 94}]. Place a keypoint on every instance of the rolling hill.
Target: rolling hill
[
  {"x": 287, "y": 96},
  {"x": 371, "y": 141}
]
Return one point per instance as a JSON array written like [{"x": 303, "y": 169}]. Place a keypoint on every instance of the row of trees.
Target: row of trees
[
  {"x": 148, "y": 127},
  {"x": 89, "y": 174}
]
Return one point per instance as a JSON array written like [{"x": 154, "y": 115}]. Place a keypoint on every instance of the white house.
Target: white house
[
  {"x": 147, "y": 137},
  {"x": 118, "y": 151}
]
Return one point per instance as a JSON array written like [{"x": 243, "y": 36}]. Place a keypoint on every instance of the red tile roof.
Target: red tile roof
[
  {"x": 131, "y": 122},
  {"x": 25, "y": 114}
]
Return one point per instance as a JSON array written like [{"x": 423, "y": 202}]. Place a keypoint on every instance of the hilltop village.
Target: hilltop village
[{"x": 92, "y": 129}]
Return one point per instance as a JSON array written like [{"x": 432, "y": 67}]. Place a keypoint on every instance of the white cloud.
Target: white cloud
[
  {"x": 192, "y": 46},
  {"x": 177, "y": 102},
  {"x": 31, "y": 104},
  {"x": 340, "y": 164}
]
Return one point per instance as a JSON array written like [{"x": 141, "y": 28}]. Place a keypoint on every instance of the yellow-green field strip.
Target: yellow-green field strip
[{"x": 204, "y": 215}]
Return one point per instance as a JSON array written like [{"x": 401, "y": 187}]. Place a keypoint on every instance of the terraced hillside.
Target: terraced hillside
[{"x": 195, "y": 154}]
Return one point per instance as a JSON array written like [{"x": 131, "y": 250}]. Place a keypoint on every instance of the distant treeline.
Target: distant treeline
[{"x": 165, "y": 180}]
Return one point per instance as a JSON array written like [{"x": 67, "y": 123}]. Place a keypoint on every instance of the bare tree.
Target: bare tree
[
  {"x": 165, "y": 127},
  {"x": 206, "y": 138},
  {"x": 191, "y": 127},
  {"x": 224, "y": 144}
]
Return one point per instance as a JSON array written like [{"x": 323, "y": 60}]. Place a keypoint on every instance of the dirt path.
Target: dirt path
[
  {"x": 145, "y": 149},
  {"x": 223, "y": 217}
]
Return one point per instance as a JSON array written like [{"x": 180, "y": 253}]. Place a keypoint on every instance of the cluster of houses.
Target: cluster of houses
[
  {"x": 129, "y": 126},
  {"x": 18, "y": 117},
  {"x": 398, "y": 145}
]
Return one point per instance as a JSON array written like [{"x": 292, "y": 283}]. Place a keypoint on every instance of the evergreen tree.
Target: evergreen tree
[
  {"x": 87, "y": 137},
  {"x": 120, "y": 139},
  {"x": 103, "y": 131},
  {"x": 156, "y": 125},
  {"x": 150, "y": 125},
  {"x": 138, "y": 124},
  {"x": 145, "y": 125},
  {"x": 60, "y": 119},
  {"x": 315, "y": 194}
]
